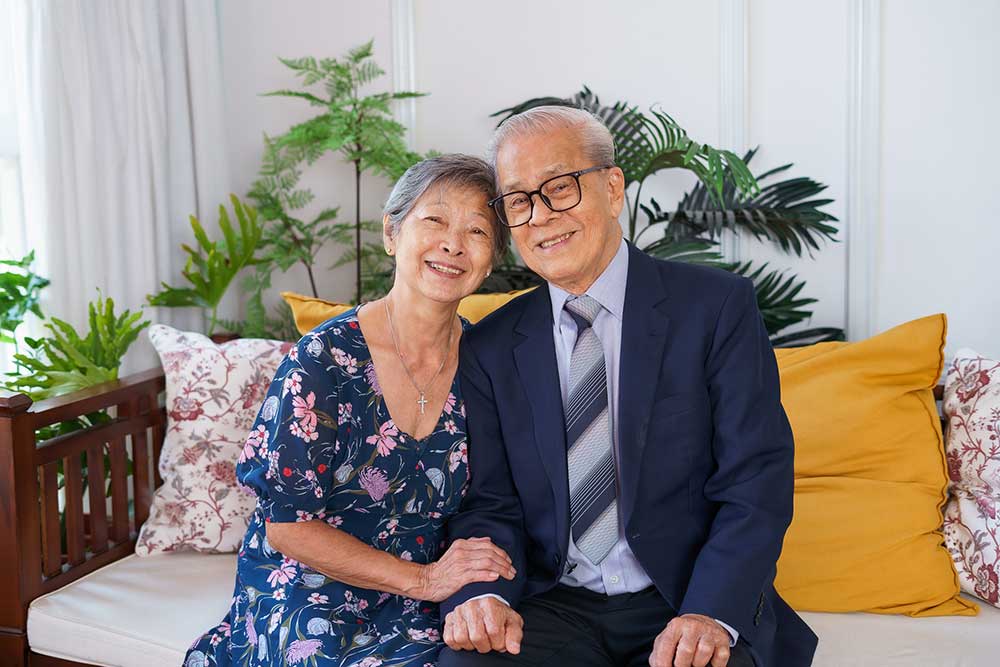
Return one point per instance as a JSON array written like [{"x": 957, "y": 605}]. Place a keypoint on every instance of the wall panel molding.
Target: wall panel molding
[
  {"x": 404, "y": 66},
  {"x": 734, "y": 94},
  {"x": 864, "y": 147}
]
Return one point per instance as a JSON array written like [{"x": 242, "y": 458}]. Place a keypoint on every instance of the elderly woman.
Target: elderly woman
[{"x": 358, "y": 455}]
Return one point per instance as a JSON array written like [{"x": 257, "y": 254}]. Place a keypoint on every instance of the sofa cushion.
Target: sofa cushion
[
  {"x": 870, "y": 476},
  {"x": 971, "y": 521},
  {"x": 135, "y": 612},
  {"x": 870, "y": 640},
  {"x": 213, "y": 395},
  {"x": 309, "y": 311}
]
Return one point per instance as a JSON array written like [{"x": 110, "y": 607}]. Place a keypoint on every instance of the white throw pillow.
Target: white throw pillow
[
  {"x": 971, "y": 525},
  {"x": 213, "y": 395}
]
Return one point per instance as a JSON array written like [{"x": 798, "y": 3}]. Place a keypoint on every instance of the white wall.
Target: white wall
[
  {"x": 940, "y": 236},
  {"x": 931, "y": 232}
]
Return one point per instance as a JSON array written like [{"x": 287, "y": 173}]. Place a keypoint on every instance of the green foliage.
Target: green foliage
[
  {"x": 360, "y": 128},
  {"x": 258, "y": 324},
  {"x": 212, "y": 265},
  {"x": 65, "y": 361},
  {"x": 19, "y": 294},
  {"x": 287, "y": 239},
  {"x": 727, "y": 196}
]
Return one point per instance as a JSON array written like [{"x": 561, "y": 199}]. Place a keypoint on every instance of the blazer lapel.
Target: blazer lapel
[
  {"x": 644, "y": 335},
  {"x": 535, "y": 358}
]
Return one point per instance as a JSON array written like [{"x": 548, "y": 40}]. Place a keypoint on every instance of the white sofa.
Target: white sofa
[{"x": 145, "y": 612}]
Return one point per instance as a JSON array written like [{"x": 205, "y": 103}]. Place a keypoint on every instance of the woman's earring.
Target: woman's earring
[
  {"x": 388, "y": 251},
  {"x": 488, "y": 273}
]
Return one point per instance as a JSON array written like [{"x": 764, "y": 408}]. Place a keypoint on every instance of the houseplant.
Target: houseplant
[{"x": 357, "y": 126}]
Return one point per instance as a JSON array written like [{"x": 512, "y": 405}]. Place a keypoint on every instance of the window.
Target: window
[{"x": 12, "y": 232}]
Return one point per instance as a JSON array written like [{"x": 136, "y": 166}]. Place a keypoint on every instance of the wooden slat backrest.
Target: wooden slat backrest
[{"x": 41, "y": 550}]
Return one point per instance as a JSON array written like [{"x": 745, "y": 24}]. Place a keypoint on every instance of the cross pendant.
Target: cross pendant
[{"x": 422, "y": 402}]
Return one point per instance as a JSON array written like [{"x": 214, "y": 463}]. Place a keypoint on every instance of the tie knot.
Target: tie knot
[{"x": 583, "y": 309}]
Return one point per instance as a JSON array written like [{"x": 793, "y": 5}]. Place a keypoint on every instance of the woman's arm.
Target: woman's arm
[{"x": 345, "y": 558}]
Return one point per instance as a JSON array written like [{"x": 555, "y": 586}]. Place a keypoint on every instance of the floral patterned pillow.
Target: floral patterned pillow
[
  {"x": 213, "y": 395},
  {"x": 971, "y": 527}
]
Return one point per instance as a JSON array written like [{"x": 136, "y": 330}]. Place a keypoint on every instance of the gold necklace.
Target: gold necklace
[{"x": 422, "y": 401}]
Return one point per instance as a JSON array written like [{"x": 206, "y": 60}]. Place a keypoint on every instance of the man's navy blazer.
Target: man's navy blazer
[{"x": 704, "y": 450}]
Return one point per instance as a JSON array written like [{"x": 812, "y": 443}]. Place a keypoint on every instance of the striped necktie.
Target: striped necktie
[{"x": 590, "y": 463}]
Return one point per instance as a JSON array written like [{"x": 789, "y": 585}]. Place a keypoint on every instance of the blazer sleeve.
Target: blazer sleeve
[
  {"x": 491, "y": 507},
  {"x": 753, "y": 480}
]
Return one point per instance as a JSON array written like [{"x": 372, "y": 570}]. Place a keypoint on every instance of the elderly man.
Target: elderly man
[{"x": 628, "y": 447}]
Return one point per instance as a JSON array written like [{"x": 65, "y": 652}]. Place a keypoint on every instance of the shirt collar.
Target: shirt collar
[{"x": 608, "y": 290}]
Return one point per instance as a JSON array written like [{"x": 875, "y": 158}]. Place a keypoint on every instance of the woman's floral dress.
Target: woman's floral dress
[{"x": 324, "y": 447}]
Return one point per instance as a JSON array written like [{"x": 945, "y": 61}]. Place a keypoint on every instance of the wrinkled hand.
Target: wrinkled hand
[
  {"x": 691, "y": 640},
  {"x": 484, "y": 625},
  {"x": 465, "y": 561}
]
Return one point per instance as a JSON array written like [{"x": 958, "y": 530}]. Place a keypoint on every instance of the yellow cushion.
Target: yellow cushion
[
  {"x": 310, "y": 311},
  {"x": 870, "y": 476}
]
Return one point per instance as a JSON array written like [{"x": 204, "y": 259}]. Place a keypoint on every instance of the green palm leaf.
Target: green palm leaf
[{"x": 786, "y": 212}]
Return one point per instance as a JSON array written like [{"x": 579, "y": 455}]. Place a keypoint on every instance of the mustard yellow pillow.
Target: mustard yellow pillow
[
  {"x": 870, "y": 476},
  {"x": 310, "y": 311}
]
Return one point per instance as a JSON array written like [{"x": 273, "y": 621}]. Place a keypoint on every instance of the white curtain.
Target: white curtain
[{"x": 122, "y": 137}]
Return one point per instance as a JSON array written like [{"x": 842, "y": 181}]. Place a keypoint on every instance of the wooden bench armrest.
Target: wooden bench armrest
[{"x": 53, "y": 529}]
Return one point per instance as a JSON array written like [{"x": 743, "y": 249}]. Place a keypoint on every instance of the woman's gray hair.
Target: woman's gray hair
[
  {"x": 598, "y": 144},
  {"x": 453, "y": 169}
]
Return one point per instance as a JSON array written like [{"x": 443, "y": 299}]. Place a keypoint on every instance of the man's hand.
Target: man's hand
[
  {"x": 484, "y": 625},
  {"x": 691, "y": 640}
]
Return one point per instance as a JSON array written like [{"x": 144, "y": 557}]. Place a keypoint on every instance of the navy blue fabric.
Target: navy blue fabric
[{"x": 706, "y": 450}]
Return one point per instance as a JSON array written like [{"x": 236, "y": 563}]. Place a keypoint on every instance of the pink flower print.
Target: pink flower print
[
  {"x": 251, "y": 631},
  {"x": 450, "y": 426},
  {"x": 223, "y": 471},
  {"x": 406, "y": 555},
  {"x": 175, "y": 513},
  {"x": 433, "y": 634},
  {"x": 316, "y": 598},
  {"x": 449, "y": 404},
  {"x": 374, "y": 482},
  {"x": 372, "y": 379},
  {"x": 987, "y": 506},
  {"x": 256, "y": 437},
  {"x": 345, "y": 361},
  {"x": 185, "y": 409},
  {"x": 282, "y": 574},
  {"x": 458, "y": 457},
  {"x": 279, "y": 594},
  {"x": 301, "y": 515},
  {"x": 301, "y": 649},
  {"x": 293, "y": 353},
  {"x": 292, "y": 383},
  {"x": 415, "y": 634},
  {"x": 335, "y": 521},
  {"x": 384, "y": 441},
  {"x": 371, "y": 661},
  {"x": 987, "y": 584},
  {"x": 303, "y": 411},
  {"x": 344, "y": 413}
]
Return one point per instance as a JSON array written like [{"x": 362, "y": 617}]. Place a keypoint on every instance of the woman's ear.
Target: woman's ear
[{"x": 387, "y": 240}]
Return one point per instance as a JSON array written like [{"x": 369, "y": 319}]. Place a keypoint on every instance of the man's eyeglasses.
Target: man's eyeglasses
[{"x": 559, "y": 193}]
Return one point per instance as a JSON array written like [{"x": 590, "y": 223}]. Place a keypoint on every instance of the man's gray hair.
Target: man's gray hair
[
  {"x": 453, "y": 169},
  {"x": 598, "y": 145}
]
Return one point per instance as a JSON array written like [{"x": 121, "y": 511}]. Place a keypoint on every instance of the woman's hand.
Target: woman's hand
[{"x": 465, "y": 562}]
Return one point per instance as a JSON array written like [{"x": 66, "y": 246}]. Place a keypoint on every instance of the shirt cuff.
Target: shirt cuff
[
  {"x": 733, "y": 635},
  {"x": 494, "y": 595}
]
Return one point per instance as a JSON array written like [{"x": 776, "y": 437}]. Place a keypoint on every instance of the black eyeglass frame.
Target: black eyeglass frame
[{"x": 545, "y": 200}]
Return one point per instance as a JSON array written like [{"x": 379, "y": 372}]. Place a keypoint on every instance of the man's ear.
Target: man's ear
[{"x": 616, "y": 189}]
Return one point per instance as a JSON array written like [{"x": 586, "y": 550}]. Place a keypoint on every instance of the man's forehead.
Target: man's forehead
[{"x": 523, "y": 176}]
